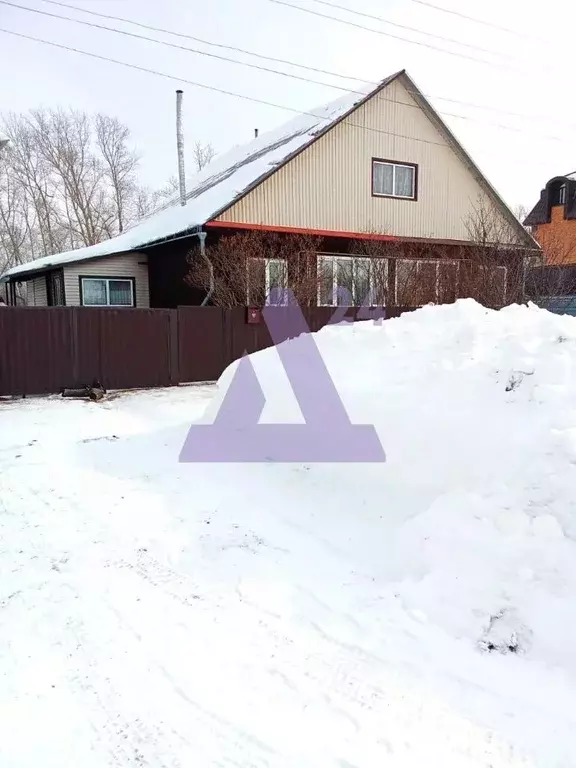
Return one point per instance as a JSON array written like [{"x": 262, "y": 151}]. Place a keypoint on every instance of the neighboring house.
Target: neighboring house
[
  {"x": 552, "y": 221},
  {"x": 377, "y": 165}
]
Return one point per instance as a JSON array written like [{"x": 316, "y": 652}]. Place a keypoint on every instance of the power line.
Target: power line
[
  {"x": 202, "y": 41},
  {"x": 243, "y": 96},
  {"x": 385, "y": 34},
  {"x": 179, "y": 79},
  {"x": 404, "y": 26},
  {"x": 202, "y": 53},
  {"x": 175, "y": 45},
  {"x": 287, "y": 62},
  {"x": 490, "y": 24},
  {"x": 258, "y": 67}
]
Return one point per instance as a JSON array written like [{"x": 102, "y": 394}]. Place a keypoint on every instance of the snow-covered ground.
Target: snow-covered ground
[{"x": 420, "y": 612}]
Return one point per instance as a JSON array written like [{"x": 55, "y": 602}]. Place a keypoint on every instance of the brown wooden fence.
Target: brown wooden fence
[{"x": 43, "y": 350}]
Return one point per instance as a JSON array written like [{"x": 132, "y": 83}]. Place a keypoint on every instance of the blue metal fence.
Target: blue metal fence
[{"x": 561, "y": 305}]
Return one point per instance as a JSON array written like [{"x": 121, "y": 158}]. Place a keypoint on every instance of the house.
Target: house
[
  {"x": 377, "y": 167},
  {"x": 552, "y": 221}
]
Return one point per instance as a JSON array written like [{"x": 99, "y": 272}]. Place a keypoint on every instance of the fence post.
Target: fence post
[
  {"x": 74, "y": 346},
  {"x": 227, "y": 336},
  {"x": 174, "y": 346}
]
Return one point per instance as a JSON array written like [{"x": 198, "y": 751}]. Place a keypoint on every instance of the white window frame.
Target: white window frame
[
  {"x": 268, "y": 264},
  {"x": 355, "y": 259},
  {"x": 426, "y": 261},
  {"x": 394, "y": 165},
  {"x": 131, "y": 281}
]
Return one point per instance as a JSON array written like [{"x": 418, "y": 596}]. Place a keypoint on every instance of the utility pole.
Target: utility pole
[{"x": 180, "y": 146}]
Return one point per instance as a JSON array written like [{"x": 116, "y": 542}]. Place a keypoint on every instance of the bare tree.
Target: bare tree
[
  {"x": 202, "y": 154},
  {"x": 120, "y": 163},
  {"x": 521, "y": 211},
  {"x": 67, "y": 180},
  {"x": 13, "y": 223},
  {"x": 247, "y": 266},
  {"x": 382, "y": 272}
]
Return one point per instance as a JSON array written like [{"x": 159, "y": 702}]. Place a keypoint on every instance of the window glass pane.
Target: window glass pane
[
  {"x": 404, "y": 181},
  {"x": 426, "y": 285},
  {"x": 383, "y": 179},
  {"x": 256, "y": 282},
  {"x": 120, "y": 293},
  {"x": 470, "y": 280},
  {"x": 276, "y": 278},
  {"x": 325, "y": 281},
  {"x": 345, "y": 282},
  {"x": 407, "y": 283},
  {"x": 379, "y": 281},
  {"x": 362, "y": 283},
  {"x": 448, "y": 282},
  {"x": 493, "y": 292},
  {"x": 56, "y": 292},
  {"x": 94, "y": 292}
]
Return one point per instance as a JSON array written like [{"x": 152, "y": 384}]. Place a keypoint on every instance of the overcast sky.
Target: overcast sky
[{"x": 530, "y": 73}]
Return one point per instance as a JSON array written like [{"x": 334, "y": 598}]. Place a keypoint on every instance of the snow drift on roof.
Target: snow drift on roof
[{"x": 217, "y": 185}]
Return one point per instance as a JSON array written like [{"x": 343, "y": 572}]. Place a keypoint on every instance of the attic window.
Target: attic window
[
  {"x": 558, "y": 195},
  {"x": 394, "y": 179}
]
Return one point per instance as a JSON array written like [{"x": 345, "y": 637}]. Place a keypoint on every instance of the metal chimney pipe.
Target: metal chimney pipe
[
  {"x": 180, "y": 146},
  {"x": 255, "y": 133}
]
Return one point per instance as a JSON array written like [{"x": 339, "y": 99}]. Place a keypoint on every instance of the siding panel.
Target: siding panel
[
  {"x": 125, "y": 265},
  {"x": 37, "y": 292},
  {"x": 328, "y": 186}
]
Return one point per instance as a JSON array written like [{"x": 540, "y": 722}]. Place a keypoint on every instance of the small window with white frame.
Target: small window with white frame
[
  {"x": 263, "y": 277},
  {"x": 351, "y": 280},
  {"x": 394, "y": 179},
  {"x": 107, "y": 291}
]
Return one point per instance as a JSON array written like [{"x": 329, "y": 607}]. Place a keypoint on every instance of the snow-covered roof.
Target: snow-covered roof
[
  {"x": 232, "y": 175},
  {"x": 3, "y": 139},
  {"x": 218, "y": 185}
]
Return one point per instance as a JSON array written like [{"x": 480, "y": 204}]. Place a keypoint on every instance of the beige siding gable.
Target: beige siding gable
[
  {"x": 328, "y": 186},
  {"x": 124, "y": 265}
]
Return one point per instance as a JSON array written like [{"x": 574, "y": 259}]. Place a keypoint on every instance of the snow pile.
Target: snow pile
[{"x": 414, "y": 613}]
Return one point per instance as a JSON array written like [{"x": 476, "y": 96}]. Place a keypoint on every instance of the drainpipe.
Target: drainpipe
[
  {"x": 180, "y": 146},
  {"x": 202, "y": 238}
]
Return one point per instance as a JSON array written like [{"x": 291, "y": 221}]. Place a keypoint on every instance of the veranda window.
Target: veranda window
[
  {"x": 351, "y": 280},
  {"x": 107, "y": 292},
  {"x": 263, "y": 277}
]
